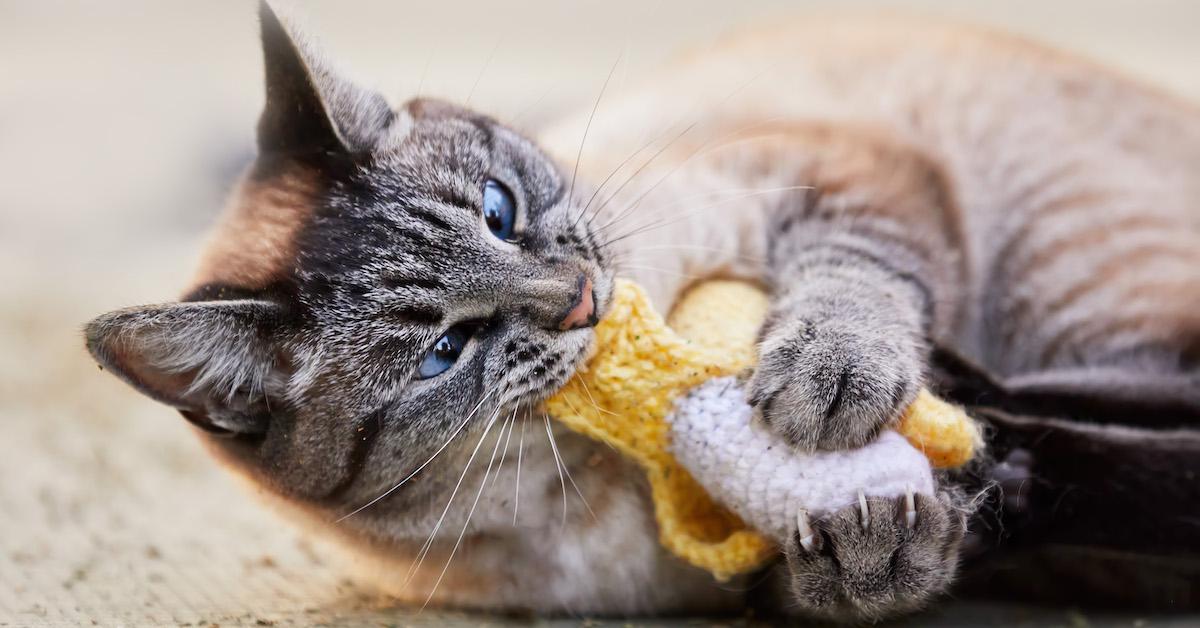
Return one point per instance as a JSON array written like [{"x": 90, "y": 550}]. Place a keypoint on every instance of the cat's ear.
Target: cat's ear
[
  {"x": 212, "y": 360},
  {"x": 310, "y": 110}
]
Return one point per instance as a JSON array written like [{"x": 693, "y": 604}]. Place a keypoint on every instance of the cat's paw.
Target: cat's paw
[
  {"x": 875, "y": 559},
  {"x": 833, "y": 385}
]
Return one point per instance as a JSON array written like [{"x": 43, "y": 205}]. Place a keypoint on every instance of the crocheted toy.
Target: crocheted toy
[{"x": 726, "y": 490}]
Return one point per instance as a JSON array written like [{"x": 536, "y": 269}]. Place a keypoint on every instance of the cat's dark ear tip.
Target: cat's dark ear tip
[
  {"x": 267, "y": 13},
  {"x": 98, "y": 336},
  {"x": 270, "y": 20},
  {"x": 106, "y": 338}
]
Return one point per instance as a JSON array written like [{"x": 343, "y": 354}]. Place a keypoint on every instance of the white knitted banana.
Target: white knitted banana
[{"x": 743, "y": 465}]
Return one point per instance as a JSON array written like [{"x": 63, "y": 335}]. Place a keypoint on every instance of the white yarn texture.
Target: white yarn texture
[{"x": 746, "y": 467}]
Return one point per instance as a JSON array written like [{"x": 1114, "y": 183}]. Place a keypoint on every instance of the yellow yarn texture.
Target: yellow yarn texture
[{"x": 641, "y": 365}]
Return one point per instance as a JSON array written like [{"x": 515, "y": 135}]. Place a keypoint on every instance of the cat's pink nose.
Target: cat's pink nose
[{"x": 583, "y": 313}]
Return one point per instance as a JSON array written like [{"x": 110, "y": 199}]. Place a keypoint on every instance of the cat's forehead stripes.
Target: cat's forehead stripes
[{"x": 257, "y": 240}]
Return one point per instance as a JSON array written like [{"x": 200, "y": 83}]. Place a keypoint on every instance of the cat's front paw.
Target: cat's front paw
[
  {"x": 875, "y": 559},
  {"x": 834, "y": 384}
]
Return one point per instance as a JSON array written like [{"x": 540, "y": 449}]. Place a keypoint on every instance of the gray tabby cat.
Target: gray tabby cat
[{"x": 392, "y": 292}]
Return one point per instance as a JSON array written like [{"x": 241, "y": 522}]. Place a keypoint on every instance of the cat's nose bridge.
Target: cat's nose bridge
[
  {"x": 583, "y": 309},
  {"x": 558, "y": 303}
]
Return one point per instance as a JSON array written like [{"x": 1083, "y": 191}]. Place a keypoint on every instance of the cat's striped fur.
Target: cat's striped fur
[{"x": 893, "y": 183}]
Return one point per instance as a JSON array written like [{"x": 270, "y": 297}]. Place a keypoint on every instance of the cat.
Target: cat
[{"x": 392, "y": 291}]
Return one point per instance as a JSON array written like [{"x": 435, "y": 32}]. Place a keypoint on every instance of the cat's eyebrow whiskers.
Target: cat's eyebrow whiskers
[
  {"x": 661, "y": 270},
  {"x": 517, "y": 119},
  {"x": 684, "y": 247},
  {"x": 586, "y": 128},
  {"x": 685, "y": 131},
  {"x": 640, "y": 168},
  {"x": 737, "y": 193},
  {"x": 664, "y": 221},
  {"x": 644, "y": 165},
  {"x": 621, "y": 165},
  {"x": 486, "y": 64}
]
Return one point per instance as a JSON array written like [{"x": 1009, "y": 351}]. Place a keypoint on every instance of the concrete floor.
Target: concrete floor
[{"x": 122, "y": 125}]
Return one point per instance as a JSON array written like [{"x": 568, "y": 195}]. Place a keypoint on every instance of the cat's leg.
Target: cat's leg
[
  {"x": 862, "y": 274},
  {"x": 859, "y": 245},
  {"x": 1094, "y": 293},
  {"x": 1091, "y": 322}
]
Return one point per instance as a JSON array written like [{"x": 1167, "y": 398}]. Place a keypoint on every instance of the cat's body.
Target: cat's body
[
  {"x": 890, "y": 182},
  {"x": 1026, "y": 138}
]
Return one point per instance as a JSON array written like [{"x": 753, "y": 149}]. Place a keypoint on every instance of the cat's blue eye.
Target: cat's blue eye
[
  {"x": 444, "y": 353},
  {"x": 499, "y": 210}
]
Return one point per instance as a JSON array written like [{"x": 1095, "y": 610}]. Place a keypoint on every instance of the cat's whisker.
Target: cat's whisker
[
  {"x": 699, "y": 118},
  {"x": 633, "y": 255},
  {"x": 509, "y": 423},
  {"x": 562, "y": 469},
  {"x": 641, "y": 197},
  {"x": 450, "y": 501},
  {"x": 486, "y": 64},
  {"x": 641, "y": 168},
  {"x": 517, "y": 482},
  {"x": 425, "y": 72},
  {"x": 518, "y": 118},
  {"x": 662, "y": 270},
  {"x": 557, "y": 465},
  {"x": 633, "y": 176},
  {"x": 686, "y": 199},
  {"x": 619, "y": 167},
  {"x": 588, "y": 127},
  {"x": 697, "y": 151},
  {"x": 423, "y": 464},
  {"x": 738, "y": 195},
  {"x": 467, "y": 523},
  {"x": 613, "y": 173},
  {"x": 593, "y": 399},
  {"x": 702, "y": 149},
  {"x": 664, "y": 221}
]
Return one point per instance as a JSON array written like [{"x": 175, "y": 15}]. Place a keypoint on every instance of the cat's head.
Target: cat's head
[{"x": 381, "y": 279}]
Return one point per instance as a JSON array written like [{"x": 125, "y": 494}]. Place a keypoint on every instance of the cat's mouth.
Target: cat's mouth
[{"x": 602, "y": 296}]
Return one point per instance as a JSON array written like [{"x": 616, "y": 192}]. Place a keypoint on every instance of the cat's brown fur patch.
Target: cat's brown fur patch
[{"x": 254, "y": 242}]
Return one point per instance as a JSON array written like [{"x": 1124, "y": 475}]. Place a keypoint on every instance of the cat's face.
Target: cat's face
[{"x": 385, "y": 282}]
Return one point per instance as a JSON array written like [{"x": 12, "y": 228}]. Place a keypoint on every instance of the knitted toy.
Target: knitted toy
[{"x": 726, "y": 490}]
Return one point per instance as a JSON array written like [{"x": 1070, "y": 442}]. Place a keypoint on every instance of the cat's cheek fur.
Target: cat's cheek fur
[{"x": 537, "y": 549}]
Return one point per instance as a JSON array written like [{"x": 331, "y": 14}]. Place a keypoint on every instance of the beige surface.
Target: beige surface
[{"x": 120, "y": 126}]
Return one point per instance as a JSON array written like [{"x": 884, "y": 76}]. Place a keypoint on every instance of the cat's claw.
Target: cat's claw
[
  {"x": 804, "y": 531},
  {"x": 910, "y": 507},
  {"x": 875, "y": 558}
]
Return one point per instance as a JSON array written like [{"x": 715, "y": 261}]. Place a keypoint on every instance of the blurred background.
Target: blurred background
[{"x": 122, "y": 127}]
